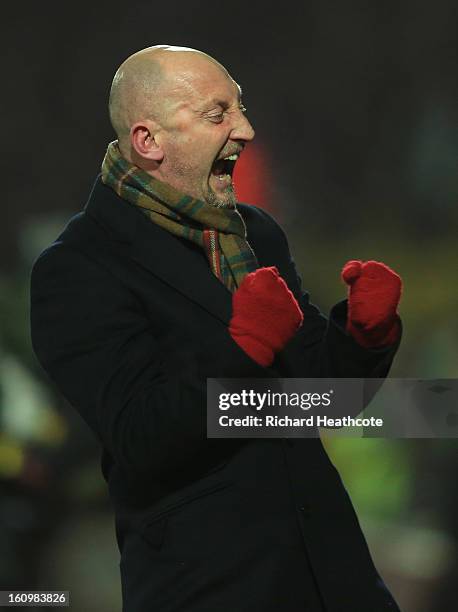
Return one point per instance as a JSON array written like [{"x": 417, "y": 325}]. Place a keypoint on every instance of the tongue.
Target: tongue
[{"x": 219, "y": 167}]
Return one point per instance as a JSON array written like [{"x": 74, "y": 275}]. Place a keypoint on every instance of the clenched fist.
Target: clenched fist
[
  {"x": 374, "y": 291},
  {"x": 265, "y": 315}
]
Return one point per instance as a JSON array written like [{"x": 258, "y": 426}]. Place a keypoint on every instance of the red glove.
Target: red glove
[
  {"x": 265, "y": 315},
  {"x": 373, "y": 296}
]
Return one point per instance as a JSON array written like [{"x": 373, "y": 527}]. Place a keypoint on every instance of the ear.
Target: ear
[{"x": 143, "y": 141}]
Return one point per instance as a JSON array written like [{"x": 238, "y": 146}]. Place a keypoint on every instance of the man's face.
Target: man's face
[{"x": 203, "y": 134}]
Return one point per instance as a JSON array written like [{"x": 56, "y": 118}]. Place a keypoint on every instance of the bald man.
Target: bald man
[
  {"x": 164, "y": 280},
  {"x": 167, "y": 106}
]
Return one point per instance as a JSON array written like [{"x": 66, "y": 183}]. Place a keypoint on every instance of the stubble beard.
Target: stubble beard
[
  {"x": 185, "y": 174},
  {"x": 228, "y": 201}
]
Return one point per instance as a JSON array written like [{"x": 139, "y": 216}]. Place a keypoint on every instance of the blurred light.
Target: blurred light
[{"x": 253, "y": 176}]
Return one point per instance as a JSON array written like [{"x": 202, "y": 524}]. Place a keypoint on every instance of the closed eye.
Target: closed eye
[{"x": 216, "y": 118}]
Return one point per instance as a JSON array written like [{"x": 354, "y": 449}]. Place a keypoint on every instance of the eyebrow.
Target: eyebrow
[{"x": 223, "y": 103}]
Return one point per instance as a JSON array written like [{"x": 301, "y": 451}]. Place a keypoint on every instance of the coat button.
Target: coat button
[{"x": 304, "y": 510}]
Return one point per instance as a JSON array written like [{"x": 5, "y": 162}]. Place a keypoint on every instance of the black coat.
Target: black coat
[{"x": 129, "y": 321}]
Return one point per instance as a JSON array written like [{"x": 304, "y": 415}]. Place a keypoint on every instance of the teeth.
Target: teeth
[{"x": 233, "y": 157}]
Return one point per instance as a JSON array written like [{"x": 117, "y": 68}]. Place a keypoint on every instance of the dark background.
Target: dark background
[{"x": 356, "y": 152}]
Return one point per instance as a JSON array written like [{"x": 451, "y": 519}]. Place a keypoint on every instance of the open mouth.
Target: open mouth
[{"x": 224, "y": 167}]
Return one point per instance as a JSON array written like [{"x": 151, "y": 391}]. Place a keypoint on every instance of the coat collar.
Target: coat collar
[{"x": 178, "y": 263}]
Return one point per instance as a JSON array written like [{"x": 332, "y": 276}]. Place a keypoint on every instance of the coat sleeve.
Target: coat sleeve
[
  {"x": 322, "y": 347},
  {"x": 93, "y": 340}
]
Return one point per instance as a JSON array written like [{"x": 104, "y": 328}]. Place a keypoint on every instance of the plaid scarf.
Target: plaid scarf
[{"x": 220, "y": 232}]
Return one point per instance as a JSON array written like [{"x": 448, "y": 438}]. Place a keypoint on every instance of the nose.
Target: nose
[{"x": 242, "y": 129}]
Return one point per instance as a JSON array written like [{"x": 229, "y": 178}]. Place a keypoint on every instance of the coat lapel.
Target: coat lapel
[
  {"x": 182, "y": 266},
  {"x": 172, "y": 259}
]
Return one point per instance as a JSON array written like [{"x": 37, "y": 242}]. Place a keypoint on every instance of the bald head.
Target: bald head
[
  {"x": 149, "y": 83},
  {"x": 179, "y": 117}
]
